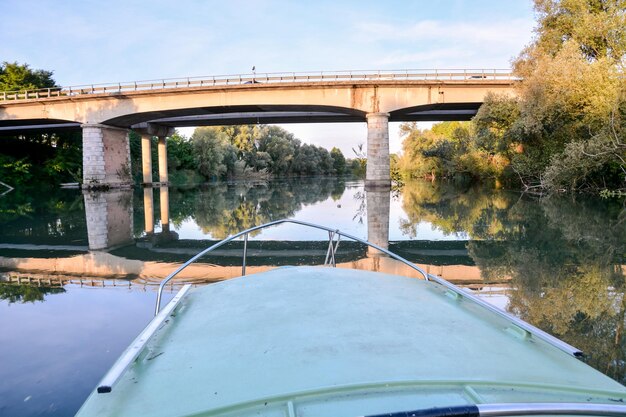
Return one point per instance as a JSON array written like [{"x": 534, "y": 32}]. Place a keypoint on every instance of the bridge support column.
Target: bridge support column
[
  {"x": 377, "y": 173},
  {"x": 146, "y": 158},
  {"x": 106, "y": 157},
  {"x": 162, "y": 148}
]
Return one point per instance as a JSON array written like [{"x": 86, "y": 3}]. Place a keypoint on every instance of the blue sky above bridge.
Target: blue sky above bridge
[{"x": 90, "y": 41}]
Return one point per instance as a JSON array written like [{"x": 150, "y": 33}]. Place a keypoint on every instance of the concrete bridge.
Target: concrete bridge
[{"x": 106, "y": 112}]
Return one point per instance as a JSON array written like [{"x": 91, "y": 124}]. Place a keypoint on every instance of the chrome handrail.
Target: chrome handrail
[
  {"x": 475, "y": 75},
  {"x": 330, "y": 257}
]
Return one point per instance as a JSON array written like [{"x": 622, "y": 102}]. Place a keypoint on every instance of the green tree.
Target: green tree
[
  {"x": 14, "y": 77},
  {"x": 339, "y": 161},
  {"x": 597, "y": 27},
  {"x": 180, "y": 152},
  {"x": 565, "y": 131},
  {"x": 210, "y": 146},
  {"x": 571, "y": 90}
]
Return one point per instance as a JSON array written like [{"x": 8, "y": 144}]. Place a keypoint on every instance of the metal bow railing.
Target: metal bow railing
[
  {"x": 334, "y": 238},
  {"x": 467, "y": 75}
]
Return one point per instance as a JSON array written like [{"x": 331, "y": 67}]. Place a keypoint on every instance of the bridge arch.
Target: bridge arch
[{"x": 239, "y": 114}]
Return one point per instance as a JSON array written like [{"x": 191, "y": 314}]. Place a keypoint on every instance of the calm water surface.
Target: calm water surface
[{"x": 78, "y": 271}]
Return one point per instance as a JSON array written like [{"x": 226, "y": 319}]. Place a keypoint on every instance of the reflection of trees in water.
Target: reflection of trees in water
[
  {"x": 28, "y": 216},
  {"x": 19, "y": 293},
  {"x": 566, "y": 264},
  {"x": 564, "y": 256},
  {"x": 361, "y": 210},
  {"x": 481, "y": 213},
  {"x": 224, "y": 209}
]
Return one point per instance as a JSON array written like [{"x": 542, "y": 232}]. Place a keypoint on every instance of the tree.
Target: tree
[
  {"x": 180, "y": 152},
  {"x": 565, "y": 131},
  {"x": 339, "y": 161},
  {"x": 596, "y": 27},
  {"x": 14, "y": 77},
  {"x": 572, "y": 85},
  {"x": 210, "y": 147}
]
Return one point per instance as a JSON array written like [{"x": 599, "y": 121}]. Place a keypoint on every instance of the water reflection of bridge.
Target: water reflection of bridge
[
  {"x": 109, "y": 217},
  {"x": 86, "y": 271},
  {"x": 114, "y": 253}
]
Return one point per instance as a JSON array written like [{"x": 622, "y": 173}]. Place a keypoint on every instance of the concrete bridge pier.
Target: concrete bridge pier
[
  {"x": 147, "y": 132},
  {"x": 162, "y": 150},
  {"x": 146, "y": 158},
  {"x": 106, "y": 157},
  {"x": 377, "y": 173}
]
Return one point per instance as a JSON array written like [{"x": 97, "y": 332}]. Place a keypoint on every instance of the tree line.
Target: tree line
[
  {"x": 245, "y": 152},
  {"x": 565, "y": 130}
]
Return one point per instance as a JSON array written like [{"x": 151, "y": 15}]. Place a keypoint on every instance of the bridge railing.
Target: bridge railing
[{"x": 467, "y": 75}]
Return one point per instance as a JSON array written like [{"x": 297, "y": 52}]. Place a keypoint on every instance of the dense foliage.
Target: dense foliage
[{"x": 566, "y": 130}]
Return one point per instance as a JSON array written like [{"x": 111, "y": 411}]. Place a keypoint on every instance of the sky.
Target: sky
[{"x": 88, "y": 41}]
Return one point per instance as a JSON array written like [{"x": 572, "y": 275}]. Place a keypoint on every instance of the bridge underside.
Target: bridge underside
[
  {"x": 267, "y": 114},
  {"x": 260, "y": 114}
]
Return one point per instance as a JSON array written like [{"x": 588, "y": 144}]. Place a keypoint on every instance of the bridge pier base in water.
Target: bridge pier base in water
[
  {"x": 109, "y": 217},
  {"x": 377, "y": 173},
  {"x": 164, "y": 205},
  {"x": 378, "y": 207},
  {"x": 106, "y": 157},
  {"x": 148, "y": 210}
]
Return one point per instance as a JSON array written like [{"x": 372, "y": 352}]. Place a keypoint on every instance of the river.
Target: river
[{"x": 78, "y": 271}]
